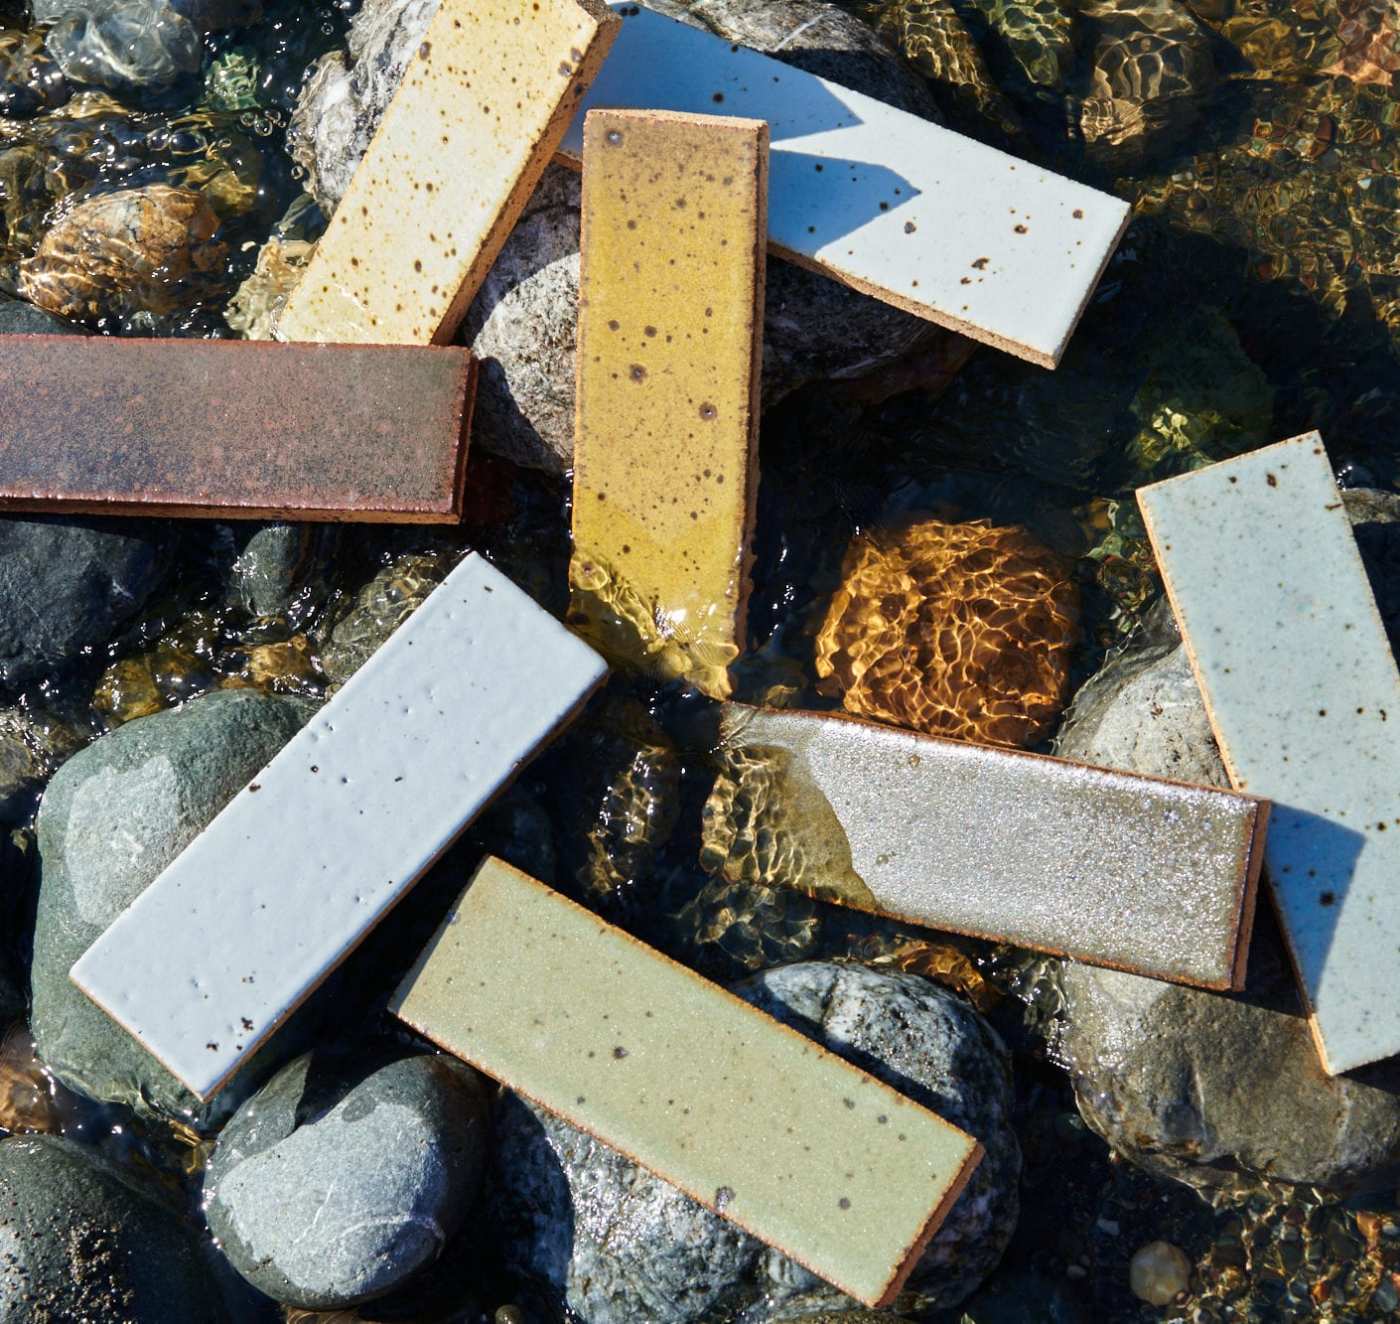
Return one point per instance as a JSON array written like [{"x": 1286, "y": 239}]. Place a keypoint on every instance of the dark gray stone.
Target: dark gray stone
[
  {"x": 125, "y": 45},
  {"x": 616, "y": 1244},
  {"x": 341, "y": 1179},
  {"x": 211, "y": 15},
  {"x": 18, "y": 318},
  {"x": 280, "y": 568},
  {"x": 80, "y": 1239},
  {"x": 112, "y": 818},
  {"x": 30, "y": 751},
  {"x": 65, "y": 586}
]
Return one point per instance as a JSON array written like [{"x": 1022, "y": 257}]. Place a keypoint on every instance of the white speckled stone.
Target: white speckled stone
[
  {"x": 921, "y": 217},
  {"x": 1267, "y": 582},
  {"x": 302, "y": 863}
]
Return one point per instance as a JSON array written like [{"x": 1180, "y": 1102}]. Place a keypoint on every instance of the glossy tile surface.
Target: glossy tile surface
[
  {"x": 966, "y": 236},
  {"x": 1302, "y": 690},
  {"x": 311, "y": 854},
  {"x": 670, "y": 323},
  {"x": 481, "y": 109},
  {"x": 1107, "y": 867},
  {"x": 234, "y": 429},
  {"x": 743, "y": 1114}
]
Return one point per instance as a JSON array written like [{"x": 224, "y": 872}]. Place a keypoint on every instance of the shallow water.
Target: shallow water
[{"x": 1256, "y": 295}]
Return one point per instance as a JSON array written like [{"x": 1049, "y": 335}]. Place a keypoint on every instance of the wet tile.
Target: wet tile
[
  {"x": 793, "y": 1144},
  {"x": 316, "y": 849},
  {"x": 923, "y": 218},
  {"x": 479, "y": 113},
  {"x": 1303, "y": 693},
  {"x": 1107, "y": 867},
  {"x": 234, "y": 430},
  {"x": 670, "y": 322}
]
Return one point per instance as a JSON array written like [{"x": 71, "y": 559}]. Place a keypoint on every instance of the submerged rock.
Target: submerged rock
[
  {"x": 65, "y": 586},
  {"x": 31, "y": 750},
  {"x": 280, "y": 568},
  {"x": 341, "y": 1179},
  {"x": 124, "y": 45},
  {"x": 18, "y": 318},
  {"x": 30, "y": 79},
  {"x": 148, "y": 249},
  {"x": 616, "y": 1244},
  {"x": 112, "y": 818},
  {"x": 81, "y": 1239}
]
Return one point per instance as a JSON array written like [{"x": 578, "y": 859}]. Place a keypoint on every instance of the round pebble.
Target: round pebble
[{"x": 1158, "y": 1273}]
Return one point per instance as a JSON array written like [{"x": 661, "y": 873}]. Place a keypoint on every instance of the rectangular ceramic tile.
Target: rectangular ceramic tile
[
  {"x": 670, "y": 327},
  {"x": 689, "y": 1081},
  {"x": 233, "y": 430},
  {"x": 1301, "y": 686},
  {"x": 923, "y": 218},
  {"x": 480, "y": 111},
  {"x": 315, "y": 850},
  {"x": 1107, "y": 867}
]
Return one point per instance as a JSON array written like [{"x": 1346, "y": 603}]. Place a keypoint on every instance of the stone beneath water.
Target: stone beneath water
[
  {"x": 18, "y": 318},
  {"x": 80, "y": 1239},
  {"x": 1158, "y": 1273},
  {"x": 339, "y": 1180},
  {"x": 617, "y": 1245},
  {"x": 124, "y": 45},
  {"x": 30, "y": 80},
  {"x": 281, "y": 569},
  {"x": 65, "y": 586},
  {"x": 112, "y": 818},
  {"x": 522, "y": 325},
  {"x": 961, "y": 630},
  {"x": 31, "y": 750},
  {"x": 148, "y": 249}
]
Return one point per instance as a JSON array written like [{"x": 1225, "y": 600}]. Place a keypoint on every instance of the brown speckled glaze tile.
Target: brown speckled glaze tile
[
  {"x": 482, "y": 106},
  {"x": 670, "y": 344},
  {"x": 233, "y": 429},
  {"x": 742, "y": 1113}
]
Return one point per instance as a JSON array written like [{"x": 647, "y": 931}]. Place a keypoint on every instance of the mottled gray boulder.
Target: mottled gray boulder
[
  {"x": 125, "y": 45},
  {"x": 19, "y": 318},
  {"x": 112, "y": 818},
  {"x": 342, "y": 1178},
  {"x": 523, "y": 322},
  {"x": 66, "y": 585},
  {"x": 80, "y": 1239},
  {"x": 616, "y": 1244}
]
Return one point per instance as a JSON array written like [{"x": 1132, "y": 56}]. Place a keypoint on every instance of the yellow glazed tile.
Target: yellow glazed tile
[
  {"x": 745, "y": 1115},
  {"x": 480, "y": 111},
  {"x": 670, "y": 324}
]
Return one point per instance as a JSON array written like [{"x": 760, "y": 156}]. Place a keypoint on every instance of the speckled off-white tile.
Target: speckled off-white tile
[
  {"x": 748, "y": 1117},
  {"x": 315, "y": 850},
  {"x": 926, "y": 219},
  {"x": 1107, "y": 867},
  {"x": 670, "y": 345},
  {"x": 1298, "y": 677},
  {"x": 482, "y": 106}
]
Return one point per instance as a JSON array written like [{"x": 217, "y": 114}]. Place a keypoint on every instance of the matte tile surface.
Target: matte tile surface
[
  {"x": 670, "y": 322},
  {"x": 312, "y": 853},
  {"x": 998, "y": 249},
  {"x": 233, "y": 429},
  {"x": 1302, "y": 689},
  {"x": 479, "y": 113},
  {"x": 743, "y": 1114},
  {"x": 1107, "y": 867}
]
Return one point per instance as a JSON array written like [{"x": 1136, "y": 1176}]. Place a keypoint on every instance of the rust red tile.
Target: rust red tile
[{"x": 234, "y": 429}]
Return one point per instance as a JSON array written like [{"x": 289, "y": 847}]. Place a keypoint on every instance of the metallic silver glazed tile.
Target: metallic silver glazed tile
[
  {"x": 1303, "y": 692},
  {"x": 1107, "y": 867},
  {"x": 745, "y": 1115},
  {"x": 316, "y": 849}
]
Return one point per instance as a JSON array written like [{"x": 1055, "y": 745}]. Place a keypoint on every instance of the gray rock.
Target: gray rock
[
  {"x": 280, "y": 568},
  {"x": 523, "y": 322},
  {"x": 18, "y": 318},
  {"x": 211, "y": 15},
  {"x": 80, "y": 1239},
  {"x": 112, "y": 818},
  {"x": 65, "y": 586},
  {"x": 30, "y": 751},
  {"x": 341, "y": 1179},
  {"x": 616, "y": 1244},
  {"x": 125, "y": 45}
]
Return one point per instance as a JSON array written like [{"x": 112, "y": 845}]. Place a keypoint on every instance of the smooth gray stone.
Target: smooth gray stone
[
  {"x": 616, "y": 1244},
  {"x": 65, "y": 586},
  {"x": 112, "y": 818},
  {"x": 19, "y": 318},
  {"x": 281, "y": 567},
  {"x": 125, "y": 45},
  {"x": 341, "y": 1179},
  {"x": 81, "y": 1239}
]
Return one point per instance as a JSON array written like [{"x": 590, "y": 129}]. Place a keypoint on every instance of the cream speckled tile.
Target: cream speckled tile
[
  {"x": 480, "y": 111},
  {"x": 926, "y": 219},
  {"x": 1302, "y": 690},
  {"x": 316, "y": 849},
  {"x": 756, "y": 1122},
  {"x": 1107, "y": 867},
  {"x": 666, "y": 437}
]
